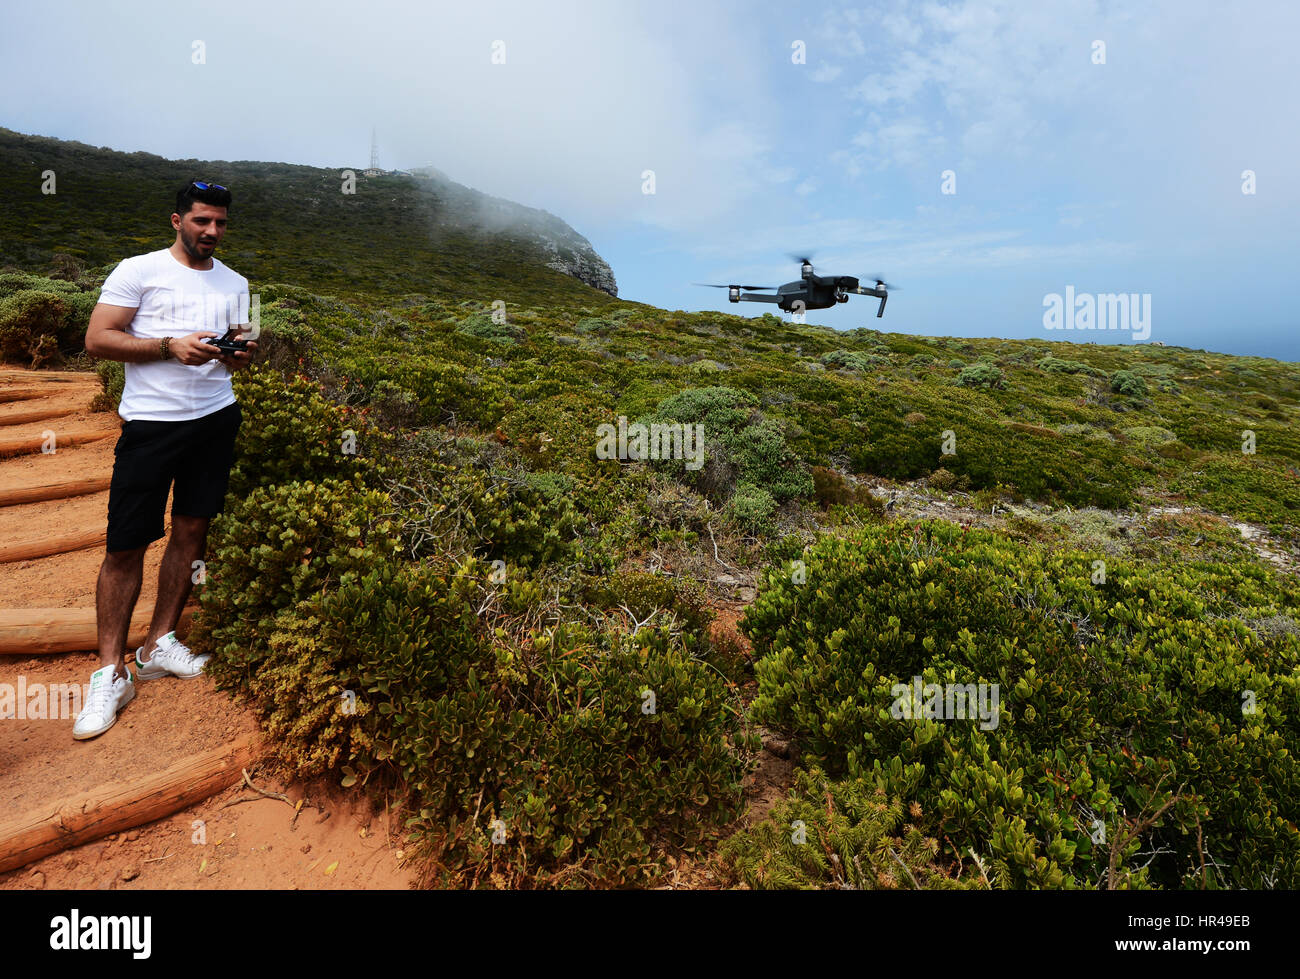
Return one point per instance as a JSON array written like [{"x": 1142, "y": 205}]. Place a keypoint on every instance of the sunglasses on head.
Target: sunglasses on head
[{"x": 201, "y": 185}]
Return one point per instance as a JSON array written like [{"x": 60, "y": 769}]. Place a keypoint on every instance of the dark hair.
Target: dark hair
[{"x": 188, "y": 194}]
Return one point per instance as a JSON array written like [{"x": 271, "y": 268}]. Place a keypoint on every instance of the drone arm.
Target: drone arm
[
  {"x": 756, "y": 297},
  {"x": 880, "y": 294}
]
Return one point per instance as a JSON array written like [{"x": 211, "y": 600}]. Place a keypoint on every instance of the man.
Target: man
[{"x": 180, "y": 419}]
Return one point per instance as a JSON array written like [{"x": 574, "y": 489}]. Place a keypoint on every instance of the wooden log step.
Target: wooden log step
[
  {"x": 37, "y": 415},
  {"x": 33, "y": 443},
  {"x": 119, "y": 806},
  {"x": 41, "y": 631},
  {"x": 21, "y": 394},
  {"x": 73, "y": 540},
  {"x": 55, "y": 377},
  {"x": 54, "y": 491}
]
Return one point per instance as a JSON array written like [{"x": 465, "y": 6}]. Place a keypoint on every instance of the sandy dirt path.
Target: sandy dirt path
[{"x": 336, "y": 840}]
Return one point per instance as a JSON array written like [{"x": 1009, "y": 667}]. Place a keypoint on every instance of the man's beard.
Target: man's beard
[{"x": 191, "y": 246}]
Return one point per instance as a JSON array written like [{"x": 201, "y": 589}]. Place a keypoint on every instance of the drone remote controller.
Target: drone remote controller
[{"x": 227, "y": 346}]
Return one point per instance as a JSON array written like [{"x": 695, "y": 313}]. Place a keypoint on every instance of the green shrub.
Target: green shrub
[
  {"x": 593, "y": 324},
  {"x": 394, "y": 406},
  {"x": 981, "y": 375},
  {"x": 1150, "y": 435},
  {"x": 286, "y": 341},
  {"x": 741, "y": 446},
  {"x": 1053, "y": 365},
  {"x": 290, "y": 431},
  {"x": 662, "y": 599},
  {"x": 12, "y": 282},
  {"x": 1248, "y": 488},
  {"x": 482, "y": 326},
  {"x": 853, "y": 360},
  {"x": 752, "y": 509},
  {"x": 841, "y": 834},
  {"x": 832, "y": 489},
  {"x": 552, "y": 744},
  {"x": 1128, "y": 383},
  {"x": 1116, "y": 699},
  {"x": 275, "y": 548},
  {"x": 497, "y": 513},
  {"x": 945, "y": 481},
  {"x": 31, "y": 323},
  {"x": 112, "y": 375}
]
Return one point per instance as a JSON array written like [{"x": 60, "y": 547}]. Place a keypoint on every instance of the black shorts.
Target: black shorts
[{"x": 197, "y": 454}]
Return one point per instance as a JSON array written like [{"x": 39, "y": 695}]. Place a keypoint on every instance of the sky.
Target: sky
[{"x": 981, "y": 155}]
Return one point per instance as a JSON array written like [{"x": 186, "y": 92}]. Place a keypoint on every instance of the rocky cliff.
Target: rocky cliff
[{"x": 565, "y": 250}]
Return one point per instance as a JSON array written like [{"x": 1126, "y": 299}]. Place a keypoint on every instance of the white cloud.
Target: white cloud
[
  {"x": 590, "y": 95},
  {"x": 904, "y": 142}
]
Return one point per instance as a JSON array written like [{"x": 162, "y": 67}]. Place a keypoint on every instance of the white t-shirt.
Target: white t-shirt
[{"x": 172, "y": 300}]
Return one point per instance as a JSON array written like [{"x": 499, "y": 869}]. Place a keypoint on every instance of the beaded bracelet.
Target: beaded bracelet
[{"x": 163, "y": 347}]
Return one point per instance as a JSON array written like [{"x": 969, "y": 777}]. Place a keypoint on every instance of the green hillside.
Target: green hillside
[
  {"x": 534, "y": 631},
  {"x": 394, "y": 235}
]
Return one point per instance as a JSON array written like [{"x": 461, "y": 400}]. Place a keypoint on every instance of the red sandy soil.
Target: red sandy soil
[{"x": 334, "y": 841}]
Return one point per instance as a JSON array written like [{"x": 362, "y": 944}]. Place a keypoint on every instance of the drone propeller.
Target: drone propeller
[
  {"x": 804, "y": 261},
  {"x": 881, "y": 283},
  {"x": 713, "y": 285}
]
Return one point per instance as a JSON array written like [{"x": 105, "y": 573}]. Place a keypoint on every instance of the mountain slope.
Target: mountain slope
[{"x": 394, "y": 235}]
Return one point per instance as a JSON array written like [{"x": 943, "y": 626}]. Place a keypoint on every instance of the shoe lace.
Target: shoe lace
[
  {"x": 100, "y": 690},
  {"x": 175, "y": 654}
]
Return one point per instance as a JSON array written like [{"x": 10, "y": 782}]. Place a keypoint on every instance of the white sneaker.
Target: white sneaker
[
  {"x": 170, "y": 657},
  {"x": 108, "y": 694}
]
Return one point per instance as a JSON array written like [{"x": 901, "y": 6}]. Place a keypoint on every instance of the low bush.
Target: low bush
[
  {"x": 1054, "y": 365},
  {"x": 31, "y": 322},
  {"x": 1128, "y": 383},
  {"x": 112, "y": 375},
  {"x": 571, "y": 759},
  {"x": 741, "y": 447},
  {"x": 1141, "y": 706},
  {"x": 843, "y": 834},
  {"x": 982, "y": 375},
  {"x": 290, "y": 431},
  {"x": 483, "y": 326},
  {"x": 854, "y": 360},
  {"x": 752, "y": 509}
]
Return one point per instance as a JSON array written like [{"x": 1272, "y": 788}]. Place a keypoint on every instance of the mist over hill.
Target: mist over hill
[{"x": 393, "y": 235}]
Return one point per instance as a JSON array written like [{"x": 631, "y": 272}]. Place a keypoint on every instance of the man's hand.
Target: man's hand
[
  {"x": 239, "y": 359},
  {"x": 191, "y": 349}
]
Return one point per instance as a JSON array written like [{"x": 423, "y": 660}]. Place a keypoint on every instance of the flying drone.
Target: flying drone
[{"x": 810, "y": 291}]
